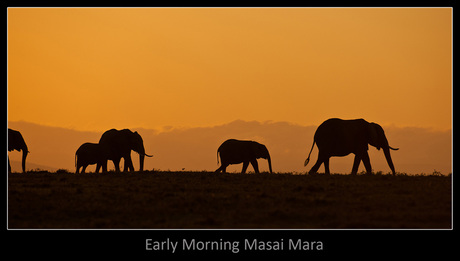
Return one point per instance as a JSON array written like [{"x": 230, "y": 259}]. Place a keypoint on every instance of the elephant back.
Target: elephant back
[
  {"x": 16, "y": 141},
  {"x": 118, "y": 142},
  {"x": 112, "y": 142},
  {"x": 236, "y": 151},
  {"x": 108, "y": 136}
]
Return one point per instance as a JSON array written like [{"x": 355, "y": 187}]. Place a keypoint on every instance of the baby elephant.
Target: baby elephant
[
  {"x": 242, "y": 151},
  {"x": 91, "y": 153}
]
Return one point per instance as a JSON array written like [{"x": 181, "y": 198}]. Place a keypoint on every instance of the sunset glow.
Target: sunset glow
[{"x": 93, "y": 69}]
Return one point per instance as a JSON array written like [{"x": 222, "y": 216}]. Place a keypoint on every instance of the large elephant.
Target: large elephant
[
  {"x": 337, "y": 137},
  {"x": 16, "y": 142},
  {"x": 242, "y": 151},
  {"x": 119, "y": 144},
  {"x": 91, "y": 153}
]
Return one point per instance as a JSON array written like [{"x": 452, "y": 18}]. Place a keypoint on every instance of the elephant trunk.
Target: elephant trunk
[
  {"x": 141, "y": 151},
  {"x": 141, "y": 161},
  {"x": 386, "y": 151},
  {"x": 269, "y": 163},
  {"x": 25, "y": 151}
]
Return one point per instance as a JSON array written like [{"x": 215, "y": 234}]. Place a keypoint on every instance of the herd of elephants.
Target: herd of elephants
[{"x": 334, "y": 137}]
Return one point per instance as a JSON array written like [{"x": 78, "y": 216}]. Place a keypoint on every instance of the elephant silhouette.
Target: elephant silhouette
[
  {"x": 242, "y": 151},
  {"x": 337, "y": 137},
  {"x": 91, "y": 153},
  {"x": 119, "y": 143},
  {"x": 16, "y": 142}
]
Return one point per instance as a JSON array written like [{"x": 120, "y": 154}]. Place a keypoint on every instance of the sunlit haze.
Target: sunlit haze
[{"x": 93, "y": 69}]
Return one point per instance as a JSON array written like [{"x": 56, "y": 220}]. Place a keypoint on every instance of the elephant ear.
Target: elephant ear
[
  {"x": 254, "y": 149},
  {"x": 374, "y": 138},
  {"x": 261, "y": 151}
]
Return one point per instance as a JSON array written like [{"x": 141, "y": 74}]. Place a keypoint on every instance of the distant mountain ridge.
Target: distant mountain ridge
[
  {"x": 421, "y": 149},
  {"x": 16, "y": 166}
]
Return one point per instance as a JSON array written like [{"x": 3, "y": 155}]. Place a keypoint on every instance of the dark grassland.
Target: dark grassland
[{"x": 207, "y": 200}]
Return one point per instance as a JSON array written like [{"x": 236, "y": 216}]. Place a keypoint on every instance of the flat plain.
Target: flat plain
[{"x": 202, "y": 200}]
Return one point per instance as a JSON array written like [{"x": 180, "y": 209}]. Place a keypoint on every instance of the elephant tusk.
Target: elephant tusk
[
  {"x": 393, "y": 148},
  {"x": 143, "y": 154}
]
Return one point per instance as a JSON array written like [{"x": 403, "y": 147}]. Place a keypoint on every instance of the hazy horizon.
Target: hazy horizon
[{"x": 422, "y": 150}]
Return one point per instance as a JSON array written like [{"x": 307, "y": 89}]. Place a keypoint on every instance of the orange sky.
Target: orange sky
[{"x": 101, "y": 68}]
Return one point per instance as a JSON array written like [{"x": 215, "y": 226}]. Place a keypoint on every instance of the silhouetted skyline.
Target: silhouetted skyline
[{"x": 421, "y": 150}]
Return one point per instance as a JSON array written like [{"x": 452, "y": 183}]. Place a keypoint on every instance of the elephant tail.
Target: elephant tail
[
  {"x": 308, "y": 159},
  {"x": 217, "y": 157}
]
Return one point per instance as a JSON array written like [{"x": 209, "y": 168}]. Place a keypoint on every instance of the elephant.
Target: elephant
[
  {"x": 91, "y": 153},
  {"x": 119, "y": 143},
  {"x": 242, "y": 151},
  {"x": 16, "y": 142},
  {"x": 337, "y": 137}
]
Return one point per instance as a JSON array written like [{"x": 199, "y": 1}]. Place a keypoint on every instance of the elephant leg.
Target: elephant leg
[
  {"x": 222, "y": 168},
  {"x": 326, "y": 166},
  {"x": 98, "y": 167},
  {"x": 128, "y": 164},
  {"x": 104, "y": 166},
  {"x": 116, "y": 163},
  {"x": 9, "y": 166},
  {"x": 315, "y": 167},
  {"x": 78, "y": 168},
  {"x": 367, "y": 163},
  {"x": 125, "y": 168},
  {"x": 356, "y": 162},
  {"x": 255, "y": 165},
  {"x": 245, "y": 166},
  {"x": 318, "y": 163},
  {"x": 84, "y": 168}
]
